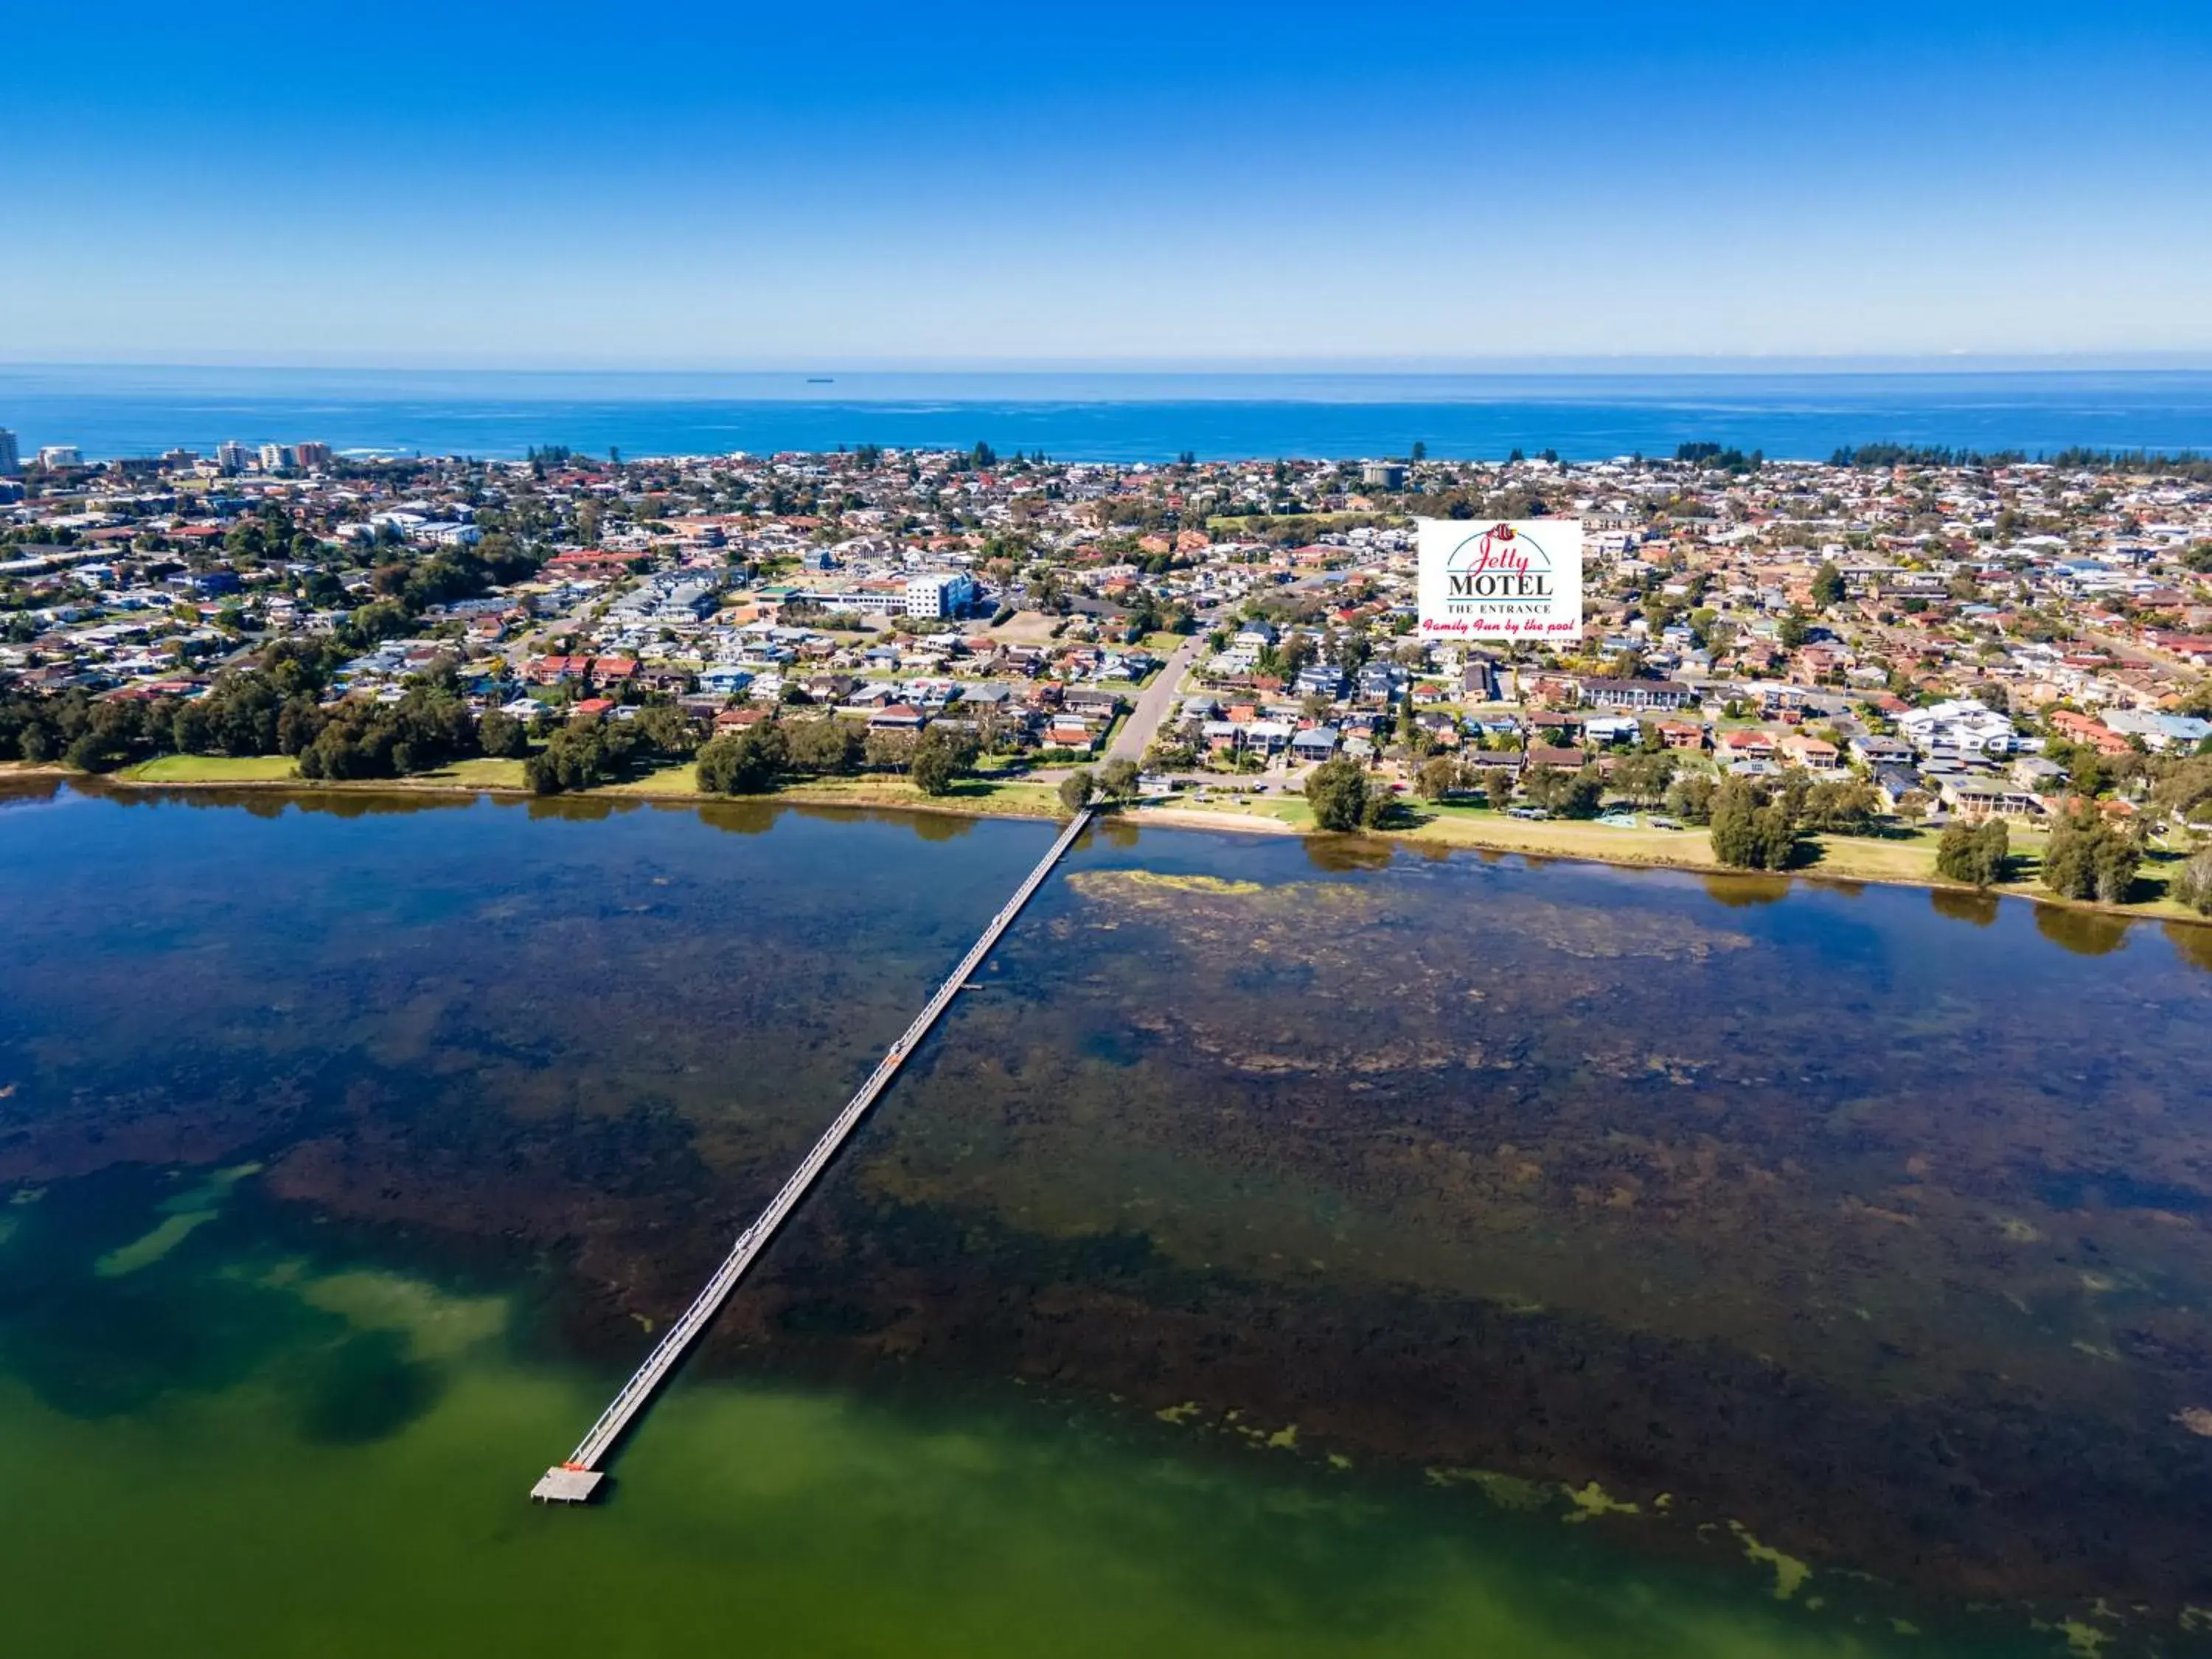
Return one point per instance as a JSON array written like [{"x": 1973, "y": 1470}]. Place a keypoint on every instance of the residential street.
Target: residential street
[{"x": 1153, "y": 703}]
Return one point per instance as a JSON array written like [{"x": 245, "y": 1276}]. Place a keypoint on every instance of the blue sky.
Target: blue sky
[{"x": 850, "y": 183}]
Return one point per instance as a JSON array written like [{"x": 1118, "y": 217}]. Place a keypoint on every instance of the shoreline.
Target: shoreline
[{"x": 1524, "y": 840}]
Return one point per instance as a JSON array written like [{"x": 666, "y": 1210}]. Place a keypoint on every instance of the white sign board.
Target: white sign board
[{"x": 1519, "y": 579}]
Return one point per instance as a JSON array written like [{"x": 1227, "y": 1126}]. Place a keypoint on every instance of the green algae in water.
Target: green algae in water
[
  {"x": 811, "y": 1522},
  {"x": 346, "y": 1478},
  {"x": 183, "y": 1215}
]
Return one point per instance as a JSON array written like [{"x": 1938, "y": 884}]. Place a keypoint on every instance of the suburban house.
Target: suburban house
[
  {"x": 1593, "y": 691},
  {"x": 1567, "y": 760},
  {"x": 1802, "y": 749},
  {"x": 1978, "y": 798}
]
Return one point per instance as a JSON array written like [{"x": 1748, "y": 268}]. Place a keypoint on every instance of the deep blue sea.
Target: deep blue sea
[{"x": 109, "y": 411}]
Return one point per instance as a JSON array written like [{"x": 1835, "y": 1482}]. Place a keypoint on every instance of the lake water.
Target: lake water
[
  {"x": 1584, "y": 414},
  {"x": 1288, "y": 1247}
]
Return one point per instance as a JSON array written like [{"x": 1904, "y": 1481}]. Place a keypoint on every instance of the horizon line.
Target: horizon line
[{"x": 2181, "y": 361}]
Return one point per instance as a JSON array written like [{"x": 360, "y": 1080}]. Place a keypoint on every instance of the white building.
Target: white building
[
  {"x": 1964, "y": 725},
  {"x": 939, "y": 594},
  {"x": 58, "y": 455}
]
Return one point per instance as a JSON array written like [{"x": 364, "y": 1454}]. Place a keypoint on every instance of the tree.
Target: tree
[
  {"x": 1438, "y": 778},
  {"x": 1337, "y": 790},
  {"x": 941, "y": 759},
  {"x": 1977, "y": 854},
  {"x": 1827, "y": 584},
  {"x": 1570, "y": 794},
  {"x": 1753, "y": 828},
  {"x": 889, "y": 749},
  {"x": 1646, "y": 778},
  {"x": 2192, "y": 882},
  {"x": 1690, "y": 798},
  {"x": 1794, "y": 629},
  {"x": 1117, "y": 780},
  {"x": 1076, "y": 790},
  {"x": 2089, "y": 858},
  {"x": 579, "y": 755},
  {"x": 1840, "y": 805},
  {"x": 821, "y": 745},
  {"x": 667, "y": 730},
  {"x": 746, "y": 762},
  {"x": 501, "y": 735}
]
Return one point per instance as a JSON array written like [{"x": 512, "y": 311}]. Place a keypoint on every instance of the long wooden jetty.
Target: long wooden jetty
[{"x": 575, "y": 1480}]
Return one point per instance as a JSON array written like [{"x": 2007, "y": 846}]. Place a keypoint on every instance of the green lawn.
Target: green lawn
[
  {"x": 675, "y": 778},
  {"x": 972, "y": 794},
  {"x": 281, "y": 768},
  {"x": 979, "y": 794},
  {"x": 212, "y": 768}
]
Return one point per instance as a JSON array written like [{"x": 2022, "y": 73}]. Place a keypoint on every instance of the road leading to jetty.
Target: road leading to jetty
[
  {"x": 1137, "y": 731},
  {"x": 574, "y": 1480}
]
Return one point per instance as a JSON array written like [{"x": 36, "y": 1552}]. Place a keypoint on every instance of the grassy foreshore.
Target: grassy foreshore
[
  {"x": 979, "y": 796},
  {"x": 1904, "y": 859}
]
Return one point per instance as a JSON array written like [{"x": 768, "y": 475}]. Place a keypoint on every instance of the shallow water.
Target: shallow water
[{"x": 1286, "y": 1247}]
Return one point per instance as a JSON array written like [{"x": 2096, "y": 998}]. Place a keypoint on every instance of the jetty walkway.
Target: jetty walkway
[{"x": 573, "y": 1480}]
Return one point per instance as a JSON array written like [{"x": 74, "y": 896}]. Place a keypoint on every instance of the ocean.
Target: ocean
[{"x": 108, "y": 411}]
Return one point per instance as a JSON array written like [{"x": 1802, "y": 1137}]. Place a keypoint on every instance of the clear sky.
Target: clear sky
[{"x": 843, "y": 183}]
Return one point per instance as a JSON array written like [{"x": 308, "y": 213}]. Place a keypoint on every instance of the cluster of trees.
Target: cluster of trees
[
  {"x": 758, "y": 758},
  {"x": 582, "y": 754},
  {"x": 458, "y": 574},
  {"x": 1344, "y": 797},
  {"x": 1113, "y": 783},
  {"x": 2187, "y": 464},
  {"x": 2178, "y": 784},
  {"x": 1888, "y": 455},
  {"x": 1977, "y": 853},
  {"x": 1446, "y": 774},
  {"x": 1731, "y": 459},
  {"x": 1646, "y": 778},
  {"x": 1577, "y": 794},
  {"x": 78, "y": 731},
  {"x": 2090, "y": 858},
  {"x": 1754, "y": 826},
  {"x": 273, "y": 709},
  {"x": 428, "y": 727},
  {"x": 1840, "y": 805}
]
